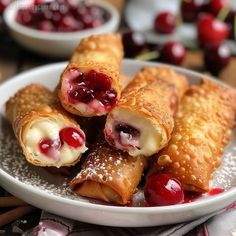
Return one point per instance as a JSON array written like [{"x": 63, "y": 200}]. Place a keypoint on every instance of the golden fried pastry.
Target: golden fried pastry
[
  {"x": 108, "y": 174},
  {"x": 142, "y": 122},
  {"x": 47, "y": 134},
  {"x": 90, "y": 84},
  {"x": 203, "y": 125}
]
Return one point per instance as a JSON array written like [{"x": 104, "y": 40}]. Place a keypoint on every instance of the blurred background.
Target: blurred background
[{"x": 196, "y": 34}]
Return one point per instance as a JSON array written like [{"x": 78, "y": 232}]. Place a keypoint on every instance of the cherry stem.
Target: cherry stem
[
  {"x": 148, "y": 56},
  {"x": 235, "y": 27},
  {"x": 223, "y": 13}
]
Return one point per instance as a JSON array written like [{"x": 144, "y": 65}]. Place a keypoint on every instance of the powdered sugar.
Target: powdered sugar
[{"x": 13, "y": 162}]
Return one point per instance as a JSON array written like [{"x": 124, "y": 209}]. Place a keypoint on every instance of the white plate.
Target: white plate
[{"x": 41, "y": 189}]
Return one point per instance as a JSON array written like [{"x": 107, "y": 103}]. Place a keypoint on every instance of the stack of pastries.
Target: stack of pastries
[{"x": 157, "y": 124}]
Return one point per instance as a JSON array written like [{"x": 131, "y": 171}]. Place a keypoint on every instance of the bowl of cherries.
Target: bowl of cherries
[
  {"x": 207, "y": 26},
  {"x": 55, "y": 27}
]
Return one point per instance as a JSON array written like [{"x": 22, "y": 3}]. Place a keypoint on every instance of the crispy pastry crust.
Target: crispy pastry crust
[
  {"x": 29, "y": 104},
  {"x": 154, "y": 94},
  {"x": 203, "y": 125},
  {"x": 108, "y": 174},
  {"x": 102, "y": 53}
]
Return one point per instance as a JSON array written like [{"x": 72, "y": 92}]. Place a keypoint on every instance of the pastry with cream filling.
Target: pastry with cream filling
[
  {"x": 142, "y": 122},
  {"x": 90, "y": 84},
  {"x": 108, "y": 174},
  {"x": 203, "y": 125},
  {"x": 47, "y": 134}
]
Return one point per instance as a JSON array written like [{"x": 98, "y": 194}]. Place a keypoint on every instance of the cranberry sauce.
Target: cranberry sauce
[
  {"x": 92, "y": 85},
  {"x": 61, "y": 15},
  {"x": 69, "y": 135},
  {"x": 127, "y": 134}
]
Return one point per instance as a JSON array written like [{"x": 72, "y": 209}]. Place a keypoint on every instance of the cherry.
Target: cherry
[
  {"x": 49, "y": 147},
  {"x": 165, "y": 23},
  {"x": 4, "y": 4},
  {"x": 128, "y": 129},
  {"x": 162, "y": 190},
  {"x": 172, "y": 53},
  {"x": 68, "y": 23},
  {"x": 216, "y": 57},
  {"x": 190, "y": 10},
  {"x": 215, "y": 6},
  {"x": 86, "y": 87},
  {"x": 72, "y": 136},
  {"x": 46, "y": 25},
  {"x": 65, "y": 16},
  {"x": 211, "y": 30},
  {"x": 107, "y": 98},
  {"x": 134, "y": 43},
  {"x": 24, "y": 17}
]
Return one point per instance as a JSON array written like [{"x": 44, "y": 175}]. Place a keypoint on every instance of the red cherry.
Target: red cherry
[
  {"x": 87, "y": 87},
  {"x": 211, "y": 30},
  {"x": 49, "y": 147},
  {"x": 165, "y": 23},
  {"x": 190, "y": 10},
  {"x": 63, "y": 15},
  {"x": 134, "y": 43},
  {"x": 163, "y": 190},
  {"x": 24, "y": 17},
  {"x": 216, "y": 57},
  {"x": 4, "y": 4},
  {"x": 215, "y": 6},
  {"x": 172, "y": 53},
  {"x": 46, "y": 25},
  {"x": 72, "y": 136}
]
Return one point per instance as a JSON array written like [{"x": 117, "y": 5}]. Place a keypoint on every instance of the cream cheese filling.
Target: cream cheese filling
[
  {"x": 49, "y": 128},
  {"x": 147, "y": 143}
]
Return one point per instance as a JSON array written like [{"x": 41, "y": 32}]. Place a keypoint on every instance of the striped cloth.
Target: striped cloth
[{"x": 222, "y": 223}]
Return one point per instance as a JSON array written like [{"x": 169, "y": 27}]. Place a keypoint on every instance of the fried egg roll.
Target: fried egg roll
[
  {"x": 142, "y": 122},
  {"x": 47, "y": 134},
  {"x": 203, "y": 125},
  {"x": 108, "y": 174},
  {"x": 90, "y": 84}
]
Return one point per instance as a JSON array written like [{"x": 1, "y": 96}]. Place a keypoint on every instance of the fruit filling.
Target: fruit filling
[
  {"x": 69, "y": 135},
  {"x": 128, "y": 135},
  {"x": 89, "y": 87}
]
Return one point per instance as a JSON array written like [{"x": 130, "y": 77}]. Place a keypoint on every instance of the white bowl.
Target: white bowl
[{"x": 52, "y": 43}]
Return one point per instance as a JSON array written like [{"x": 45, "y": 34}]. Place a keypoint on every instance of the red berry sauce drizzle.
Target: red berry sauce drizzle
[
  {"x": 69, "y": 135},
  {"x": 92, "y": 85},
  {"x": 61, "y": 15}
]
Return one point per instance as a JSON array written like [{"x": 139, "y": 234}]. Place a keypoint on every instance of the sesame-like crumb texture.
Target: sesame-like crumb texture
[
  {"x": 154, "y": 94},
  {"x": 31, "y": 103},
  {"x": 108, "y": 168},
  {"x": 202, "y": 129},
  {"x": 102, "y": 53}
]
